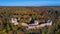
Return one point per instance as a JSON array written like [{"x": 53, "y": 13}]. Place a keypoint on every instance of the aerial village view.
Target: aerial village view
[{"x": 29, "y": 20}]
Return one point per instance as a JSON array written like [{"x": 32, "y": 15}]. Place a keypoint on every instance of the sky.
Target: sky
[{"x": 29, "y": 2}]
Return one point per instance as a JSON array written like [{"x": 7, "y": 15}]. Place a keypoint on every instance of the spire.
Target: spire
[{"x": 31, "y": 21}]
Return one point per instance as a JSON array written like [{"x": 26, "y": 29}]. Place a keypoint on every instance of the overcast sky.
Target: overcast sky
[{"x": 29, "y": 2}]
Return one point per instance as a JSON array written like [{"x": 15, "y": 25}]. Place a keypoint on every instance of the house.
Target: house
[
  {"x": 33, "y": 22},
  {"x": 14, "y": 21}
]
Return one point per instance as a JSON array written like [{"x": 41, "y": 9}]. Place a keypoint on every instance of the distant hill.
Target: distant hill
[{"x": 24, "y": 12}]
